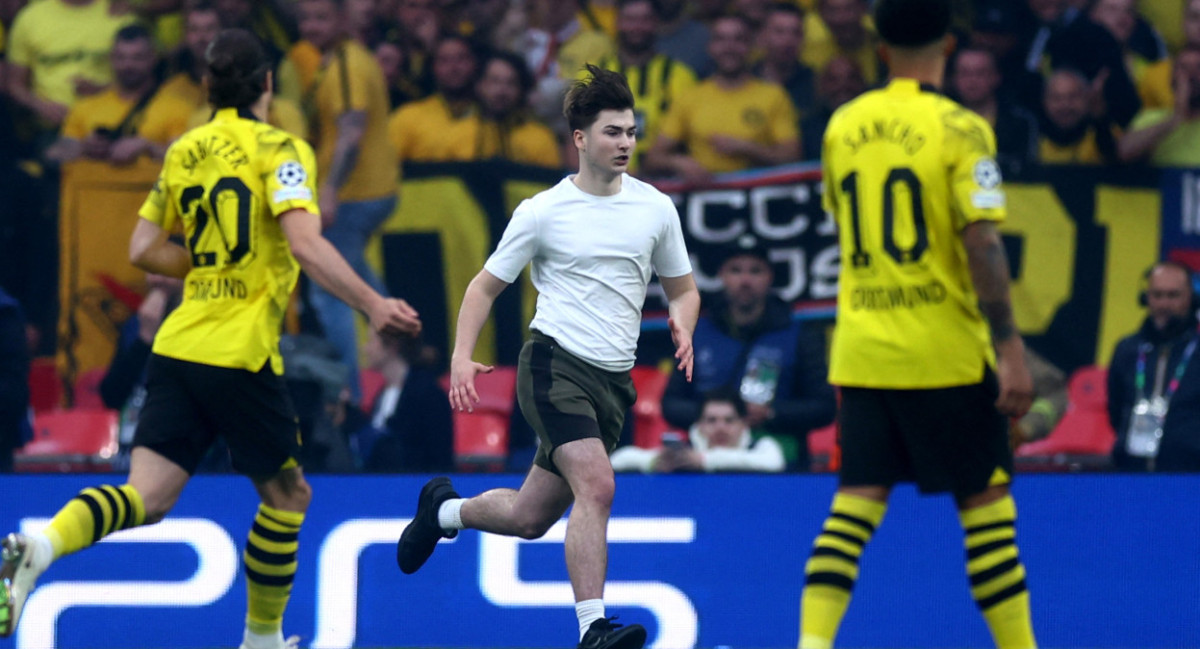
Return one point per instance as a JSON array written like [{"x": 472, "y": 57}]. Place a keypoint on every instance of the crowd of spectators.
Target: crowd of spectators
[{"x": 720, "y": 86}]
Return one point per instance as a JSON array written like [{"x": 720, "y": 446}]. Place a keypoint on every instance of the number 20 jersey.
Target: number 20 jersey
[
  {"x": 226, "y": 183},
  {"x": 905, "y": 170}
]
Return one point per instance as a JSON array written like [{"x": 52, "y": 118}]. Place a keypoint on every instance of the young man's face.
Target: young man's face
[
  {"x": 607, "y": 144},
  {"x": 720, "y": 424}
]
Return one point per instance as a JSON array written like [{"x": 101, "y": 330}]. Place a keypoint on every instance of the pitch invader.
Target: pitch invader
[{"x": 925, "y": 350}]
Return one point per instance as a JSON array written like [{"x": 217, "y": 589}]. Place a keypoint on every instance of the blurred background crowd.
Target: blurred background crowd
[{"x": 721, "y": 86}]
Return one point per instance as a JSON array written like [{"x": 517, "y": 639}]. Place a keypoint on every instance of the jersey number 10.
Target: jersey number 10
[
  {"x": 192, "y": 197},
  {"x": 860, "y": 258}
]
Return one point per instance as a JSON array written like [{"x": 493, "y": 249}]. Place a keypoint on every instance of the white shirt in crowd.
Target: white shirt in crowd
[{"x": 764, "y": 455}]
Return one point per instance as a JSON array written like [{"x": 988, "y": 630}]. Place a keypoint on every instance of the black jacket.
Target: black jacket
[
  {"x": 14, "y": 379},
  {"x": 1180, "y": 448}
]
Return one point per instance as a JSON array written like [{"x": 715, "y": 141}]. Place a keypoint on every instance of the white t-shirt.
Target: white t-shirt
[{"x": 592, "y": 257}]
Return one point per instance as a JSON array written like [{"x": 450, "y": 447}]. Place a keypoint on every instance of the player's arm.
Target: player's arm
[
  {"x": 476, "y": 305},
  {"x": 151, "y": 251},
  {"x": 683, "y": 309},
  {"x": 989, "y": 273},
  {"x": 325, "y": 266}
]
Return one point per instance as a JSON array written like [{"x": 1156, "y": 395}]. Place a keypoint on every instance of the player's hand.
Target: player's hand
[
  {"x": 392, "y": 317},
  {"x": 328, "y": 202},
  {"x": 463, "y": 395},
  {"x": 1016, "y": 383},
  {"x": 683, "y": 348}
]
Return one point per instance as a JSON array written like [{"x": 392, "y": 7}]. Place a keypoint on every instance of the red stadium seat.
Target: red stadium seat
[
  {"x": 45, "y": 388},
  {"x": 480, "y": 441},
  {"x": 371, "y": 382},
  {"x": 87, "y": 389},
  {"x": 648, "y": 423},
  {"x": 481, "y": 437},
  {"x": 70, "y": 441},
  {"x": 1083, "y": 438},
  {"x": 824, "y": 453}
]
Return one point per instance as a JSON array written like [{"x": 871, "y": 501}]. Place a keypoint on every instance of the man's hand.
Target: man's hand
[
  {"x": 1016, "y": 383},
  {"x": 391, "y": 317},
  {"x": 127, "y": 149},
  {"x": 691, "y": 171},
  {"x": 683, "y": 348},
  {"x": 463, "y": 395},
  {"x": 50, "y": 112},
  {"x": 728, "y": 145},
  {"x": 97, "y": 146},
  {"x": 85, "y": 87}
]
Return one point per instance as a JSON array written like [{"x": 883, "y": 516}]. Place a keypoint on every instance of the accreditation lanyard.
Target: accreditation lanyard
[{"x": 1173, "y": 385}]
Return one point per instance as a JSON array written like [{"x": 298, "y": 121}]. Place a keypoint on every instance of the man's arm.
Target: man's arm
[
  {"x": 351, "y": 125},
  {"x": 760, "y": 155},
  {"x": 322, "y": 262},
  {"x": 476, "y": 305},
  {"x": 683, "y": 309},
  {"x": 22, "y": 93},
  {"x": 151, "y": 251},
  {"x": 989, "y": 273},
  {"x": 666, "y": 157}
]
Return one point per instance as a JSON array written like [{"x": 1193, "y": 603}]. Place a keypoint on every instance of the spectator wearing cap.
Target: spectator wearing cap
[
  {"x": 748, "y": 341},
  {"x": 975, "y": 82}
]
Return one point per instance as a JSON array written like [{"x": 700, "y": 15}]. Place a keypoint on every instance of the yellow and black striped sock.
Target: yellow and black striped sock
[
  {"x": 94, "y": 514},
  {"x": 270, "y": 562},
  {"x": 833, "y": 567},
  {"x": 996, "y": 574}
]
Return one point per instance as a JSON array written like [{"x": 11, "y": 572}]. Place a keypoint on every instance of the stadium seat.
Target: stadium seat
[
  {"x": 481, "y": 437},
  {"x": 1083, "y": 438},
  {"x": 824, "y": 454},
  {"x": 87, "y": 389},
  {"x": 648, "y": 422},
  {"x": 45, "y": 388},
  {"x": 371, "y": 382},
  {"x": 480, "y": 441},
  {"x": 70, "y": 441}
]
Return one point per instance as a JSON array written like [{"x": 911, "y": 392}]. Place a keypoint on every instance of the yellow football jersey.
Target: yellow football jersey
[
  {"x": 226, "y": 183},
  {"x": 905, "y": 171}
]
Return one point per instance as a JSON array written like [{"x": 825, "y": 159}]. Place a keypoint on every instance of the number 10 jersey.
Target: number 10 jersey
[
  {"x": 224, "y": 184},
  {"x": 905, "y": 171}
]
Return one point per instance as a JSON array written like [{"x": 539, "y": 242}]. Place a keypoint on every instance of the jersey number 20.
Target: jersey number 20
[{"x": 241, "y": 196}]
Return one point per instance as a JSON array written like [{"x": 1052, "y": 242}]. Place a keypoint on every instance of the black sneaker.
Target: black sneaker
[
  {"x": 603, "y": 634},
  {"x": 423, "y": 533}
]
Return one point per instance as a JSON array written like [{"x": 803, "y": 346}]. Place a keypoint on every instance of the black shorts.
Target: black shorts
[
  {"x": 945, "y": 440},
  {"x": 564, "y": 398},
  {"x": 189, "y": 404}
]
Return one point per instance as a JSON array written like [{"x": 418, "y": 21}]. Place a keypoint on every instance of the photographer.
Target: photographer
[{"x": 1170, "y": 137}]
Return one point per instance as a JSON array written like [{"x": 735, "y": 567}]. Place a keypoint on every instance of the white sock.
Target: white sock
[
  {"x": 588, "y": 611},
  {"x": 252, "y": 640},
  {"x": 450, "y": 514},
  {"x": 43, "y": 551}
]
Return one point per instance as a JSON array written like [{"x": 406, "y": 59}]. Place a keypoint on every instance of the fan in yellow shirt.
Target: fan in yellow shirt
[
  {"x": 841, "y": 28},
  {"x": 441, "y": 127},
  {"x": 504, "y": 127},
  {"x": 729, "y": 122}
]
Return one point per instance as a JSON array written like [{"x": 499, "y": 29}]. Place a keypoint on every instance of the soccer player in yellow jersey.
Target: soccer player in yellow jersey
[
  {"x": 245, "y": 196},
  {"x": 925, "y": 350}
]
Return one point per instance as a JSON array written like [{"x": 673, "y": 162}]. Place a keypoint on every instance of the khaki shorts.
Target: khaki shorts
[{"x": 564, "y": 398}]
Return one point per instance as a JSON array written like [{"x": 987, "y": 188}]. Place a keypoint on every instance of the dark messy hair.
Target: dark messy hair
[
  {"x": 601, "y": 90},
  {"x": 725, "y": 395},
  {"x": 237, "y": 68},
  {"x": 912, "y": 23}
]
